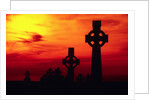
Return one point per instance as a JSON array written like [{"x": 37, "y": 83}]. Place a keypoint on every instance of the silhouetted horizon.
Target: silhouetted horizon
[{"x": 53, "y": 83}]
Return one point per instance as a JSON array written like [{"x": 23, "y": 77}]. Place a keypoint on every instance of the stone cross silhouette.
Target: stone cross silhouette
[
  {"x": 27, "y": 74},
  {"x": 71, "y": 62},
  {"x": 27, "y": 78},
  {"x": 96, "y": 39}
]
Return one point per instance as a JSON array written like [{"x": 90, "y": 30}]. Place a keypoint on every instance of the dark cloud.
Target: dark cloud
[
  {"x": 35, "y": 37},
  {"x": 24, "y": 40}
]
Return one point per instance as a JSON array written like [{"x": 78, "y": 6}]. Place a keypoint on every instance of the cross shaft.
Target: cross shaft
[{"x": 99, "y": 38}]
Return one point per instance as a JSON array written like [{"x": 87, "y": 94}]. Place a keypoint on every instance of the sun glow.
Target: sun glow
[
  {"x": 50, "y": 33},
  {"x": 21, "y": 30}
]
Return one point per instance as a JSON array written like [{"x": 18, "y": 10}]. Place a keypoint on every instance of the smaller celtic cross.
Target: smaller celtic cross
[{"x": 71, "y": 62}]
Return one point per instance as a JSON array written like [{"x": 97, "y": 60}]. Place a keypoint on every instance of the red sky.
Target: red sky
[{"x": 36, "y": 42}]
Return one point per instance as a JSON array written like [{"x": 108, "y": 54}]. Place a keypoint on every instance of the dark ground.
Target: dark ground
[{"x": 38, "y": 88}]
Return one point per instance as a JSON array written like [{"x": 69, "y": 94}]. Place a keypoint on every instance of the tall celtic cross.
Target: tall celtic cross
[
  {"x": 96, "y": 39},
  {"x": 71, "y": 62}
]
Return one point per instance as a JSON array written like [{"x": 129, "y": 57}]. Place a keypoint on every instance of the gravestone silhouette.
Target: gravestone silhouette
[
  {"x": 27, "y": 78},
  {"x": 57, "y": 72},
  {"x": 71, "y": 62},
  {"x": 49, "y": 72},
  {"x": 96, "y": 39}
]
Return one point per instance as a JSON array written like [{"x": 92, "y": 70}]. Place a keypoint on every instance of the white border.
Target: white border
[
  {"x": 5, "y": 4},
  {"x": 130, "y": 57}
]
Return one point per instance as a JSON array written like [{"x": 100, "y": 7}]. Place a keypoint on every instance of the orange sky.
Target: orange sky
[{"x": 39, "y": 41}]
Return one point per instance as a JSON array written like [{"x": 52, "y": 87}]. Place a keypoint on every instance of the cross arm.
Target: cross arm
[
  {"x": 103, "y": 38},
  {"x": 89, "y": 38}
]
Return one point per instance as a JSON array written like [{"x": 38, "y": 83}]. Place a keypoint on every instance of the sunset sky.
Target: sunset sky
[{"x": 36, "y": 42}]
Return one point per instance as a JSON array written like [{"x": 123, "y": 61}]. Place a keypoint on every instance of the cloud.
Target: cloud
[
  {"x": 17, "y": 57},
  {"x": 66, "y": 16},
  {"x": 43, "y": 25},
  {"x": 34, "y": 37},
  {"x": 24, "y": 40},
  {"x": 11, "y": 32},
  {"x": 110, "y": 22}
]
